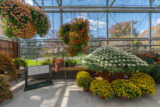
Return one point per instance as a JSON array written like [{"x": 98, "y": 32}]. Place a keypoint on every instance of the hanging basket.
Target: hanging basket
[{"x": 28, "y": 32}]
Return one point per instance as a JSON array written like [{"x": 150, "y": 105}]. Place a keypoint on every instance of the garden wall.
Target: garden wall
[{"x": 9, "y": 47}]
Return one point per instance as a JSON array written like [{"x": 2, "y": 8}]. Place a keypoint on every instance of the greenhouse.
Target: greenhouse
[{"x": 79, "y": 53}]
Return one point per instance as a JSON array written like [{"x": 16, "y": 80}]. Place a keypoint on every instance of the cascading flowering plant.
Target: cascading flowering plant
[
  {"x": 17, "y": 16},
  {"x": 75, "y": 35}
]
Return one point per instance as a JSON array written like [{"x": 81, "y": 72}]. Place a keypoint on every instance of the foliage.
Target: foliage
[
  {"x": 7, "y": 66},
  {"x": 113, "y": 60},
  {"x": 102, "y": 88},
  {"x": 84, "y": 81},
  {"x": 46, "y": 62},
  {"x": 5, "y": 92},
  {"x": 75, "y": 35},
  {"x": 150, "y": 57},
  {"x": 18, "y": 16},
  {"x": 20, "y": 62},
  {"x": 70, "y": 63},
  {"x": 145, "y": 82},
  {"x": 155, "y": 72},
  {"x": 124, "y": 28},
  {"x": 126, "y": 88}
]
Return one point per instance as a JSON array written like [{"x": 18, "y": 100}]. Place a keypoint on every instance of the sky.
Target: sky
[{"x": 98, "y": 21}]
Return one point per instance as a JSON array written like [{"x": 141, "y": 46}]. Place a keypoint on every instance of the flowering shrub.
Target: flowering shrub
[
  {"x": 75, "y": 35},
  {"x": 7, "y": 66},
  {"x": 145, "y": 82},
  {"x": 113, "y": 60},
  {"x": 102, "y": 88},
  {"x": 18, "y": 16},
  {"x": 149, "y": 57},
  {"x": 84, "y": 81},
  {"x": 126, "y": 88},
  {"x": 58, "y": 64},
  {"x": 5, "y": 92}
]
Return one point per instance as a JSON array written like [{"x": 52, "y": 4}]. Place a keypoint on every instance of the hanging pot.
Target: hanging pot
[{"x": 28, "y": 32}]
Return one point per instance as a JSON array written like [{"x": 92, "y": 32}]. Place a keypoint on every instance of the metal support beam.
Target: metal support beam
[
  {"x": 59, "y": 2},
  {"x": 101, "y": 9},
  {"x": 149, "y": 26},
  {"x": 107, "y": 32},
  {"x": 36, "y": 3},
  {"x": 112, "y": 3}
]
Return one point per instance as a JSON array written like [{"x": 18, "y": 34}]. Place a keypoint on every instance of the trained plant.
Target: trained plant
[
  {"x": 113, "y": 60},
  {"x": 75, "y": 35},
  {"x": 7, "y": 66},
  {"x": 102, "y": 88},
  {"x": 126, "y": 88},
  {"x": 145, "y": 82},
  {"x": 5, "y": 92}
]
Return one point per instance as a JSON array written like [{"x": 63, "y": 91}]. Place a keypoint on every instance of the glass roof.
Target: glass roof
[{"x": 98, "y": 2}]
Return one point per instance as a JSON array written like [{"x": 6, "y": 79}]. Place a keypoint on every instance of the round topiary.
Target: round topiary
[
  {"x": 145, "y": 82},
  {"x": 126, "y": 88},
  {"x": 84, "y": 81},
  {"x": 5, "y": 92},
  {"x": 102, "y": 88},
  {"x": 7, "y": 66}
]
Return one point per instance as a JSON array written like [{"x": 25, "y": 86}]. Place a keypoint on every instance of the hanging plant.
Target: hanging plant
[
  {"x": 75, "y": 35},
  {"x": 22, "y": 20},
  {"x": 63, "y": 32}
]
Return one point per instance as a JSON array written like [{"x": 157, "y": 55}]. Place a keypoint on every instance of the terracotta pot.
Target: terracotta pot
[
  {"x": 101, "y": 97},
  {"x": 86, "y": 89},
  {"x": 124, "y": 97}
]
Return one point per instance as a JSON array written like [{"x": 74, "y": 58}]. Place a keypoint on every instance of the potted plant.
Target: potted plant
[
  {"x": 58, "y": 64},
  {"x": 102, "y": 88},
  {"x": 126, "y": 89},
  {"x": 84, "y": 81},
  {"x": 20, "y": 63},
  {"x": 145, "y": 82}
]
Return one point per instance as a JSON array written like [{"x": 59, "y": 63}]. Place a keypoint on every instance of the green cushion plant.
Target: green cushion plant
[
  {"x": 102, "y": 88},
  {"x": 126, "y": 88},
  {"x": 5, "y": 92}
]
